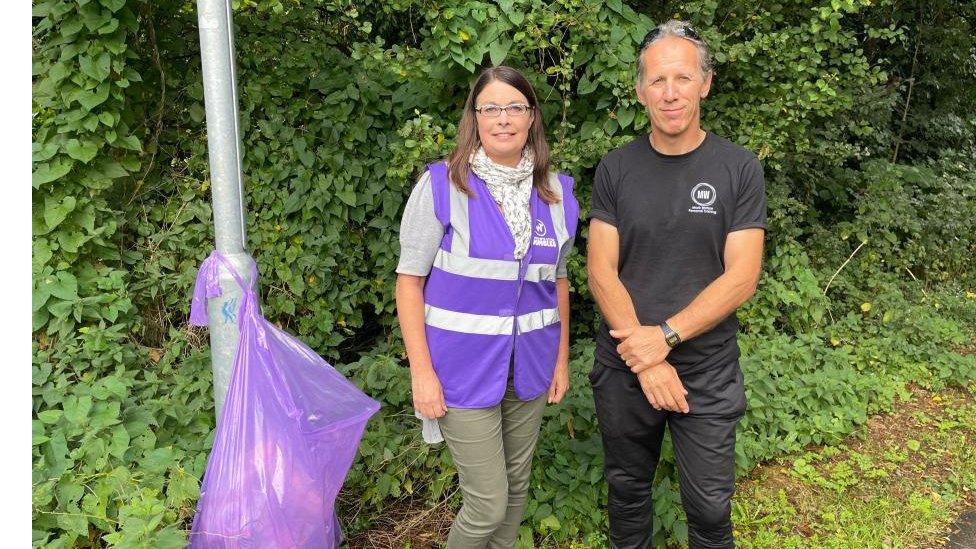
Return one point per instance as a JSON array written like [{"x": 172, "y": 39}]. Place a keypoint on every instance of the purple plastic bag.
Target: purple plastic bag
[{"x": 285, "y": 439}]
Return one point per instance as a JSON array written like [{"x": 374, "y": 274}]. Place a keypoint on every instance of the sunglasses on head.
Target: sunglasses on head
[{"x": 684, "y": 31}]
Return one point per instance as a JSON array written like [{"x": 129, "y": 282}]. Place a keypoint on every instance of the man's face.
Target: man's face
[{"x": 673, "y": 86}]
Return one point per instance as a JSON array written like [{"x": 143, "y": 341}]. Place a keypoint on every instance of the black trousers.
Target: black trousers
[{"x": 704, "y": 445}]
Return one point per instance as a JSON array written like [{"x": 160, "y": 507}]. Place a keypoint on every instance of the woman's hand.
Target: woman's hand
[
  {"x": 428, "y": 397},
  {"x": 560, "y": 378},
  {"x": 560, "y": 382}
]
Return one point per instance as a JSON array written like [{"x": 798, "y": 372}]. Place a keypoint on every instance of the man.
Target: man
[{"x": 675, "y": 246}]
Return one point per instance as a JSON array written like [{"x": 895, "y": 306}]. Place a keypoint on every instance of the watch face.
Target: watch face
[{"x": 672, "y": 340}]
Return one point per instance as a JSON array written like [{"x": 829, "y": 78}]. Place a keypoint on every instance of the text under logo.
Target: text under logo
[{"x": 540, "y": 236}]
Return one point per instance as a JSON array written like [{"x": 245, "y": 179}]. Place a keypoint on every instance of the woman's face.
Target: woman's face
[{"x": 505, "y": 135}]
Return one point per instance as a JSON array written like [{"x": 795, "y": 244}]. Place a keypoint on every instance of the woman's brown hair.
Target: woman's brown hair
[{"x": 468, "y": 142}]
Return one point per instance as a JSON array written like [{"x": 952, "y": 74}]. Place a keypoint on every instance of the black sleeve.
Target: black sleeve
[
  {"x": 750, "y": 201},
  {"x": 603, "y": 205}
]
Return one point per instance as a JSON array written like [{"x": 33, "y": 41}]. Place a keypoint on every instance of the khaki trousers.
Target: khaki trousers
[{"x": 492, "y": 450}]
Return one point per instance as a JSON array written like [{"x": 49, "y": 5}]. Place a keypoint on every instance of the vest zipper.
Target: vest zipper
[
  {"x": 518, "y": 295},
  {"x": 515, "y": 326}
]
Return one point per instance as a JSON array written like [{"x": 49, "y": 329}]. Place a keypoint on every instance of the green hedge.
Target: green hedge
[{"x": 343, "y": 103}]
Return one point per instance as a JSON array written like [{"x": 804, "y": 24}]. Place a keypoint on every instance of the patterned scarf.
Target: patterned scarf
[{"x": 511, "y": 188}]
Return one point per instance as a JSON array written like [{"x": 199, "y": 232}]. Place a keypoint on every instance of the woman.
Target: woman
[{"x": 483, "y": 300}]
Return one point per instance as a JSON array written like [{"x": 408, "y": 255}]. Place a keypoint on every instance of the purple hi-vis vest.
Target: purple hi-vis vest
[{"x": 481, "y": 304}]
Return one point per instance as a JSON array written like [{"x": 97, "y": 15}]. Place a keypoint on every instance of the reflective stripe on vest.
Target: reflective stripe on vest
[
  {"x": 459, "y": 218},
  {"x": 489, "y": 324},
  {"x": 557, "y": 212},
  {"x": 492, "y": 269}
]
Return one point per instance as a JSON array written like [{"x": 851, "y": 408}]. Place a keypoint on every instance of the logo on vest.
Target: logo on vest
[
  {"x": 703, "y": 195},
  {"x": 540, "y": 236}
]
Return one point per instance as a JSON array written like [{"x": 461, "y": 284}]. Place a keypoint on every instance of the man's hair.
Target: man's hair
[{"x": 678, "y": 29}]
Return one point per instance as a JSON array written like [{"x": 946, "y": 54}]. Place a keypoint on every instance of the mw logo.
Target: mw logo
[{"x": 703, "y": 194}]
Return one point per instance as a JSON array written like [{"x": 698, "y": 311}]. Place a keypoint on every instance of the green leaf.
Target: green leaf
[
  {"x": 66, "y": 287},
  {"x": 116, "y": 44},
  {"x": 112, "y": 169},
  {"x": 130, "y": 74},
  {"x": 73, "y": 521},
  {"x": 76, "y": 409},
  {"x": 39, "y": 296},
  {"x": 114, "y": 5},
  {"x": 197, "y": 114},
  {"x": 43, "y": 151},
  {"x": 69, "y": 492},
  {"x": 58, "y": 72},
  {"x": 39, "y": 319},
  {"x": 92, "y": 99},
  {"x": 50, "y": 417},
  {"x": 181, "y": 488},
  {"x": 62, "y": 310},
  {"x": 37, "y": 433},
  {"x": 348, "y": 197},
  {"x": 587, "y": 85},
  {"x": 71, "y": 240},
  {"x": 108, "y": 386},
  {"x": 55, "y": 212},
  {"x": 71, "y": 26},
  {"x": 104, "y": 414},
  {"x": 131, "y": 164},
  {"x": 109, "y": 27},
  {"x": 98, "y": 68},
  {"x": 95, "y": 18},
  {"x": 170, "y": 537},
  {"x": 550, "y": 524},
  {"x": 543, "y": 510},
  {"x": 498, "y": 50},
  {"x": 293, "y": 203},
  {"x": 42, "y": 8},
  {"x": 625, "y": 117},
  {"x": 120, "y": 441},
  {"x": 83, "y": 151},
  {"x": 158, "y": 460},
  {"x": 47, "y": 172},
  {"x": 130, "y": 142},
  {"x": 90, "y": 123}
]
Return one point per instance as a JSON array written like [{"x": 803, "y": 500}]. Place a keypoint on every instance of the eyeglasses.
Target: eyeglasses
[
  {"x": 494, "y": 111},
  {"x": 684, "y": 31}
]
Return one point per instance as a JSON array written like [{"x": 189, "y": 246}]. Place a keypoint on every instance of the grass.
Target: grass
[{"x": 901, "y": 482}]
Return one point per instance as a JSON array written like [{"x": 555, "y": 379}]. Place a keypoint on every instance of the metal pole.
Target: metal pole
[{"x": 224, "y": 147}]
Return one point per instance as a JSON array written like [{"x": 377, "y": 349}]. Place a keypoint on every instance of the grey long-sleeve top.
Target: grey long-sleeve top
[{"x": 421, "y": 234}]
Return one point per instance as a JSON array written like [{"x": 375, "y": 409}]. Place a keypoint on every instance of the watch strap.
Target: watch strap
[{"x": 671, "y": 337}]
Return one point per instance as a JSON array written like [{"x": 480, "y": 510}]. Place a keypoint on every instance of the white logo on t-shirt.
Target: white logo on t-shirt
[{"x": 703, "y": 195}]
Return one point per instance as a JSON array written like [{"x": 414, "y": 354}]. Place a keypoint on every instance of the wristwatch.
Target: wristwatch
[{"x": 671, "y": 337}]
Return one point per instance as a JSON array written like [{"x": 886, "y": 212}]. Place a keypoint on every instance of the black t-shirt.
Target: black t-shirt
[{"x": 672, "y": 214}]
